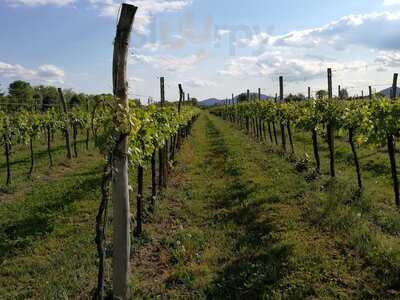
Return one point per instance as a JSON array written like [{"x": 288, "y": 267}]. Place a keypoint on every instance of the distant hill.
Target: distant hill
[
  {"x": 214, "y": 101},
  {"x": 388, "y": 92},
  {"x": 210, "y": 102}
]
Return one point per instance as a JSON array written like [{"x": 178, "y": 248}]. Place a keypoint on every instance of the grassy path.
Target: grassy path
[{"x": 237, "y": 224}]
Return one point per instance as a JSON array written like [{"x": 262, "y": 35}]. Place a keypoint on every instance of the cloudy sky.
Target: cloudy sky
[{"x": 214, "y": 48}]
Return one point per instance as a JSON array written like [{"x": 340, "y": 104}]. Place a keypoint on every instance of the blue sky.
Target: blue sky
[{"x": 214, "y": 48}]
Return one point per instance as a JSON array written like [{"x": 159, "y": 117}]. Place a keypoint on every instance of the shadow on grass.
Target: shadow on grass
[
  {"x": 38, "y": 155},
  {"x": 37, "y": 221},
  {"x": 260, "y": 259}
]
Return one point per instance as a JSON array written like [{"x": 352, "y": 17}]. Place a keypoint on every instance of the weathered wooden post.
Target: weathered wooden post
[
  {"x": 283, "y": 135},
  {"x": 139, "y": 201},
  {"x": 392, "y": 150},
  {"x": 370, "y": 92},
  {"x": 394, "y": 86},
  {"x": 181, "y": 97},
  {"x": 66, "y": 129},
  {"x": 160, "y": 151},
  {"x": 330, "y": 132},
  {"x": 120, "y": 184}
]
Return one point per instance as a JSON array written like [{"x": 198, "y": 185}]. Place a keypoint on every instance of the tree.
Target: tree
[
  {"x": 45, "y": 97},
  {"x": 344, "y": 94},
  {"x": 193, "y": 101},
  {"x": 321, "y": 94},
  {"x": 295, "y": 98},
  {"x": 75, "y": 101},
  {"x": 21, "y": 93},
  {"x": 136, "y": 102},
  {"x": 242, "y": 98}
]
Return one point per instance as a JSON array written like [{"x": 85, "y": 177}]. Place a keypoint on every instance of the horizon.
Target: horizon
[{"x": 211, "y": 48}]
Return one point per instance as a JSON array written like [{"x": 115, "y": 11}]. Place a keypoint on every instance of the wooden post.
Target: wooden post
[
  {"x": 370, "y": 92},
  {"x": 6, "y": 138},
  {"x": 281, "y": 88},
  {"x": 139, "y": 201},
  {"x": 392, "y": 150},
  {"x": 330, "y": 95},
  {"x": 66, "y": 130},
  {"x": 153, "y": 180},
  {"x": 330, "y": 133},
  {"x": 309, "y": 93},
  {"x": 233, "y": 99},
  {"x": 282, "y": 124},
  {"x": 87, "y": 129},
  {"x": 181, "y": 97},
  {"x": 120, "y": 184},
  {"x": 162, "y": 91},
  {"x": 248, "y": 95},
  {"x": 161, "y": 151},
  {"x": 394, "y": 86},
  {"x": 259, "y": 94}
]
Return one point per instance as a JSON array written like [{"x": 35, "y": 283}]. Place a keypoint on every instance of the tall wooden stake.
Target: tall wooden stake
[
  {"x": 282, "y": 125},
  {"x": 120, "y": 184},
  {"x": 330, "y": 133},
  {"x": 161, "y": 151},
  {"x": 392, "y": 150},
  {"x": 181, "y": 97},
  {"x": 370, "y": 92},
  {"x": 394, "y": 86},
  {"x": 66, "y": 130}
]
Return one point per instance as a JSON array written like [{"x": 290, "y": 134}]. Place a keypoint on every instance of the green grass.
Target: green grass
[
  {"x": 47, "y": 225},
  {"x": 239, "y": 220}
]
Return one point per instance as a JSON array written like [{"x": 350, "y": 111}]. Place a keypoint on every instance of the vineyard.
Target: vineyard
[{"x": 103, "y": 197}]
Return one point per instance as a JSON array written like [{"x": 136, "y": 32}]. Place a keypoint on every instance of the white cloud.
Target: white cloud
[
  {"x": 152, "y": 47},
  {"x": 375, "y": 31},
  {"x": 175, "y": 42},
  {"x": 199, "y": 83},
  {"x": 39, "y": 2},
  {"x": 223, "y": 32},
  {"x": 388, "y": 59},
  {"x": 292, "y": 68},
  {"x": 147, "y": 9},
  {"x": 44, "y": 73},
  {"x": 135, "y": 79},
  {"x": 169, "y": 63},
  {"x": 391, "y": 2}
]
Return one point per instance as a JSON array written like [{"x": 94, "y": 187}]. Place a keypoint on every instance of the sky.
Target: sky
[{"x": 213, "y": 47}]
